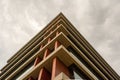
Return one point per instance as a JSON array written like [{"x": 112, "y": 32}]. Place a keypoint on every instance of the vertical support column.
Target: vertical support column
[
  {"x": 44, "y": 37},
  {"x": 57, "y": 26},
  {"x": 57, "y": 44},
  {"x": 41, "y": 46},
  {"x": 58, "y": 67},
  {"x": 57, "y": 33},
  {"x": 47, "y": 52},
  {"x": 51, "y": 32},
  {"x": 37, "y": 60},
  {"x": 44, "y": 75},
  {"x": 30, "y": 78},
  {"x": 49, "y": 39}
]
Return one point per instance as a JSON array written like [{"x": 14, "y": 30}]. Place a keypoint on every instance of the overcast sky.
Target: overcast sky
[{"x": 97, "y": 20}]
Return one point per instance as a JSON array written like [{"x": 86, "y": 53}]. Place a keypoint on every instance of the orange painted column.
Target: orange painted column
[
  {"x": 37, "y": 60},
  {"x": 57, "y": 33},
  {"x": 47, "y": 52},
  {"x": 44, "y": 37},
  {"x": 51, "y": 32},
  {"x": 58, "y": 67},
  {"x": 57, "y": 44},
  {"x": 30, "y": 78},
  {"x": 44, "y": 75},
  {"x": 57, "y": 26},
  {"x": 41, "y": 46},
  {"x": 49, "y": 39}
]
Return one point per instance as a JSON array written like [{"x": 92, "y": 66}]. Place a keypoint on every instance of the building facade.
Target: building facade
[{"x": 58, "y": 52}]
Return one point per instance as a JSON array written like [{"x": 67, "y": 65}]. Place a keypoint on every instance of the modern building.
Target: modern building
[{"x": 58, "y": 52}]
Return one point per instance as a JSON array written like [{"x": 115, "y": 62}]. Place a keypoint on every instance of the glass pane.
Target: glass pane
[
  {"x": 24, "y": 73},
  {"x": 76, "y": 76}
]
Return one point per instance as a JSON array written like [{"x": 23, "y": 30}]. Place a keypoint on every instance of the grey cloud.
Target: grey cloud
[{"x": 98, "y": 21}]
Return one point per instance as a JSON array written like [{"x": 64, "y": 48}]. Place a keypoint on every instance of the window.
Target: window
[
  {"x": 76, "y": 73},
  {"x": 74, "y": 52},
  {"x": 23, "y": 72}
]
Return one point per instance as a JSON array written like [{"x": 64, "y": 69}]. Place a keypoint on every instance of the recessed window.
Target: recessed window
[
  {"x": 76, "y": 73},
  {"x": 75, "y": 53},
  {"x": 23, "y": 72}
]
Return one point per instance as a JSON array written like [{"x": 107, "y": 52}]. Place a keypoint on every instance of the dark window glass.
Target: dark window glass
[
  {"x": 22, "y": 72},
  {"x": 71, "y": 50},
  {"x": 76, "y": 73}
]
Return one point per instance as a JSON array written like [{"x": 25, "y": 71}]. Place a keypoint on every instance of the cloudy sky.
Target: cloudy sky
[{"x": 97, "y": 20}]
